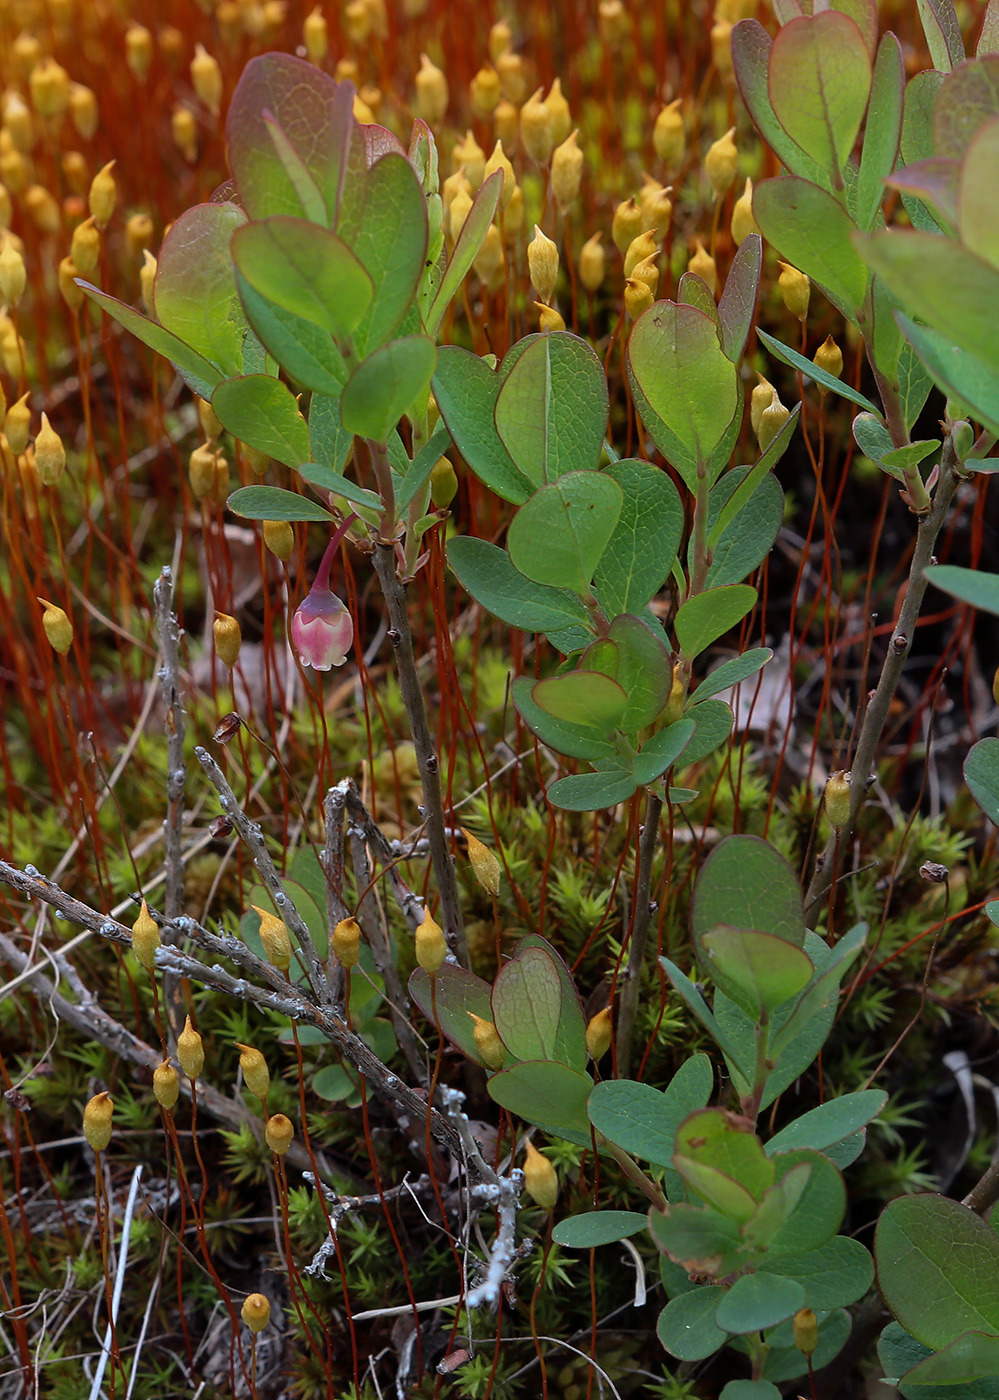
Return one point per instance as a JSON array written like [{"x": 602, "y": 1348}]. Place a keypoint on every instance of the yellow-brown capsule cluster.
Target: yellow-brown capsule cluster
[
  {"x": 536, "y": 129},
  {"x": 103, "y": 196},
  {"x": 669, "y": 136},
  {"x": 592, "y": 264},
  {"x": 743, "y": 219},
  {"x": 540, "y": 1177},
  {"x": 279, "y": 538},
  {"x": 431, "y": 92},
  {"x": 805, "y": 1329},
  {"x": 166, "y": 1086},
  {"x": 97, "y": 1121},
  {"x": 795, "y": 289},
  {"x": 542, "y": 259},
  {"x": 598, "y": 1034},
  {"x": 721, "y": 162},
  {"x": 50, "y": 455},
  {"x": 190, "y": 1051},
  {"x": 57, "y": 627},
  {"x": 227, "y": 638},
  {"x": 256, "y": 1075},
  {"x": 279, "y": 1133},
  {"x": 829, "y": 357},
  {"x": 256, "y": 1312},
  {"x": 274, "y": 937},
  {"x": 431, "y": 947},
  {"x": 346, "y": 942}
]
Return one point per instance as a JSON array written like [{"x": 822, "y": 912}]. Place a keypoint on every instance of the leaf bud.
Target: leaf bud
[
  {"x": 540, "y": 1178},
  {"x": 57, "y": 627},
  {"x": 806, "y": 1331},
  {"x": 431, "y": 948},
  {"x": 17, "y": 425},
  {"x": 256, "y": 1075},
  {"x": 147, "y": 281},
  {"x": 43, "y": 207},
  {"x": 640, "y": 248},
  {"x": 346, "y": 941},
  {"x": 256, "y": 1312},
  {"x": 138, "y": 50},
  {"x": 772, "y": 419},
  {"x": 566, "y": 171},
  {"x": 184, "y": 129},
  {"x": 542, "y": 259},
  {"x": 721, "y": 162},
  {"x": 638, "y": 297},
  {"x": 837, "y": 799},
  {"x": 500, "y": 161},
  {"x": 743, "y": 219},
  {"x": 963, "y": 438},
  {"x": 484, "y": 91},
  {"x": 598, "y": 1034},
  {"x": 758, "y": 401},
  {"x": 513, "y": 217},
  {"x": 795, "y": 289},
  {"x": 470, "y": 155},
  {"x": 703, "y": 265},
  {"x": 279, "y": 1133},
  {"x": 85, "y": 247},
  {"x": 830, "y": 358},
  {"x": 721, "y": 46},
  {"x": 626, "y": 224},
  {"x": 274, "y": 937},
  {"x": 206, "y": 79},
  {"x": 48, "y": 84},
  {"x": 50, "y": 455},
  {"x": 500, "y": 39},
  {"x": 536, "y": 129},
  {"x": 13, "y": 274},
  {"x": 145, "y": 938},
  {"x": 487, "y": 1042},
  {"x": 443, "y": 483},
  {"x": 315, "y": 36},
  {"x": 647, "y": 271},
  {"x": 669, "y": 137},
  {"x": 201, "y": 470},
  {"x": 506, "y": 123},
  {"x": 513, "y": 80},
  {"x": 190, "y": 1051},
  {"x": 485, "y": 866},
  {"x": 656, "y": 206},
  {"x": 431, "y": 92},
  {"x": 102, "y": 196},
  {"x": 97, "y": 1121},
  {"x": 279, "y": 538},
  {"x": 490, "y": 260},
  {"x": 558, "y": 111},
  {"x": 592, "y": 264},
  {"x": 549, "y": 319},
  {"x": 166, "y": 1085}
]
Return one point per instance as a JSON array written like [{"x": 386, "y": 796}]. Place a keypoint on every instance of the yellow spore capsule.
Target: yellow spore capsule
[
  {"x": 201, "y": 470},
  {"x": 83, "y": 110},
  {"x": 208, "y": 419},
  {"x": 500, "y": 161},
  {"x": 206, "y": 79},
  {"x": 592, "y": 264},
  {"x": 558, "y": 110},
  {"x": 640, "y": 248},
  {"x": 549, "y": 319},
  {"x": 536, "y": 129},
  {"x": 613, "y": 21},
  {"x": 669, "y": 136},
  {"x": 470, "y": 156},
  {"x": 190, "y": 1051},
  {"x": 18, "y": 123},
  {"x": 638, "y": 297},
  {"x": 500, "y": 39},
  {"x": 540, "y": 1177},
  {"x": 279, "y": 1133},
  {"x": 43, "y": 207},
  {"x": 760, "y": 399},
  {"x": 484, "y": 91},
  {"x": 458, "y": 212},
  {"x": 138, "y": 234},
  {"x": 50, "y": 455},
  {"x": 431, "y": 92},
  {"x": 279, "y": 538},
  {"x": 542, "y": 259},
  {"x": 315, "y": 35},
  {"x": 70, "y": 292},
  {"x": 443, "y": 484},
  {"x": 256, "y": 1075},
  {"x": 703, "y": 265},
  {"x": 97, "y": 1121},
  {"x": 256, "y": 1312},
  {"x": 346, "y": 942},
  {"x": 626, "y": 224},
  {"x": 721, "y": 163},
  {"x": 829, "y": 357},
  {"x": 566, "y": 172},
  {"x": 513, "y": 219},
  {"x": 805, "y": 1329},
  {"x": 513, "y": 81},
  {"x": 49, "y": 88},
  {"x": 721, "y": 47},
  {"x": 17, "y": 425},
  {"x": 647, "y": 271},
  {"x": 837, "y": 799},
  {"x": 487, "y": 1042},
  {"x": 772, "y": 419},
  {"x": 274, "y": 937},
  {"x": 598, "y": 1034},
  {"x": 227, "y": 638},
  {"x": 485, "y": 866},
  {"x": 184, "y": 129},
  {"x": 145, "y": 938},
  {"x": 743, "y": 219},
  {"x": 76, "y": 172},
  {"x": 795, "y": 288},
  {"x": 147, "y": 281},
  {"x": 85, "y": 247},
  {"x": 57, "y": 627},
  {"x": 431, "y": 947},
  {"x": 13, "y": 273},
  {"x": 103, "y": 195},
  {"x": 139, "y": 50},
  {"x": 166, "y": 1085},
  {"x": 506, "y": 124},
  {"x": 656, "y": 206}
]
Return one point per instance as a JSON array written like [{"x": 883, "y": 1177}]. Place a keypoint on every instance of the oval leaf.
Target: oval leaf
[
  {"x": 272, "y": 503},
  {"x": 306, "y": 270},
  {"x": 526, "y": 1004},
  {"x": 551, "y": 412},
  {"x": 263, "y": 413},
  {"x": 820, "y": 76},
  {"x": 559, "y": 536},
  {"x": 707, "y": 616},
  {"x": 598, "y": 1227},
  {"x": 385, "y": 385}
]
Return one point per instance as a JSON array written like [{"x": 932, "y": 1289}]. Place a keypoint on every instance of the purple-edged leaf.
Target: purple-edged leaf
[
  {"x": 936, "y": 181},
  {"x": 819, "y": 81},
  {"x": 737, "y": 304},
  {"x": 943, "y": 33},
  {"x": 315, "y": 115},
  {"x": 694, "y": 291},
  {"x": 864, "y": 14},
  {"x": 707, "y": 616},
  {"x": 458, "y": 992},
  {"x": 550, "y": 1095},
  {"x": 640, "y": 553},
  {"x": 306, "y": 270},
  {"x": 959, "y": 374},
  {"x": 197, "y": 373},
  {"x": 391, "y": 243},
  {"x": 264, "y": 413},
  {"x": 813, "y": 231},
  {"x": 969, "y": 1357},
  {"x": 473, "y": 231},
  {"x": 883, "y": 131},
  {"x": 988, "y": 38},
  {"x": 195, "y": 291},
  {"x": 751, "y": 49},
  {"x": 759, "y": 971},
  {"x": 967, "y": 99},
  {"x": 466, "y": 390},
  {"x": 978, "y": 201}
]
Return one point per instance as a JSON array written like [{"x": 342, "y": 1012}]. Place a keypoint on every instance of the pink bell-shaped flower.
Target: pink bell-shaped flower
[{"x": 322, "y": 629}]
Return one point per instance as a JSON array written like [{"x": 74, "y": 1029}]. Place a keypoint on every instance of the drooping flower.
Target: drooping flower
[{"x": 322, "y": 629}]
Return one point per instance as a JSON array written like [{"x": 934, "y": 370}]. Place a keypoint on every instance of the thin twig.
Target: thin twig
[
  {"x": 628, "y": 1002},
  {"x": 169, "y": 678}
]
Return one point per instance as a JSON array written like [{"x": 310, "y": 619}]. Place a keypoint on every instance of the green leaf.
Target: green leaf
[
  {"x": 751, "y": 50},
  {"x": 731, "y": 673},
  {"x": 784, "y": 1361},
  {"x": 686, "y": 387},
  {"x": 457, "y": 992},
  {"x": 756, "y": 1301},
  {"x": 707, "y": 616},
  {"x": 273, "y": 503},
  {"x": 526, "y": 1000},
  {"x": 970, "y": 1357},
  {"x": 473, "y": 231},
  {"x": 834, "y": 1275},
  {"x": 699, "y": 1239},
  {"x": 711, "y": 1137},
  {"x": 758, "y": 970},
  {"x": 559, "y": 536},
  {"x": 812, "y": 230},
  {"x": 314, "y": 113},
  {"x": 972, "y": 586},
  {"x": 662, "y": 751},
  {"x": 729, "y": 1048},
  {"x": 585, "y": 739},
  {"x": 391, "y": 242},
  {"x": 750, "y": 1390},
  {"x": 550, "y": 1095},
  {"x": 942, "y": 283},
  {"x": 981, "y": 773},
  {"x": 967, "y": 98},
  {"x": 195, "y": 291},
  {"x": 748, "y": 536},
  {"x": 418, "y": 471},
  {"x": 883, "y": 133},
  {"x": 642, "y": 549},
  {"x": 958, "y": 373},
  {"x": 943, "y": 33},
  {"x": 385, "y": 385},
  {"x": 325, "y": 479},
  {"x": 687, "y": 1327},
  {"x": 304, "y": 351},
  {"x": 486, "y": 572},
  {"x": 820, "y": 1210},
  {"x": 645, "y": 671},
  {"x": 938, "y": 1268},
  {"x": 306, "y": 270},
  {"x": 330, "y": 442},
  {"x": 582, "y": 697},
  {"x": 570, "y": 1037},
  {"x": 828, "y": 381},
  {"x": 978, "y": 202},
  {"x": 598, "y": 1227},
  {"x": 820, "y": 77},
  {"x": 714, "y": 720},
  {"x": 263, "y": 413},
  {"x": 644, "y": 1120},
  {"x": 746, "y": 481},
  {"x": 592, "y": 792},
  {"x": 466, "y": 390},
  {"x": 823, "y": 988},
  {"x": 831, "y": 1122},
  {"x": 551, "y": 412},
  {"x": 737, "y": 303},
  {"x": 198, "y": 373},
  {"x": 914, "y": 384}
]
